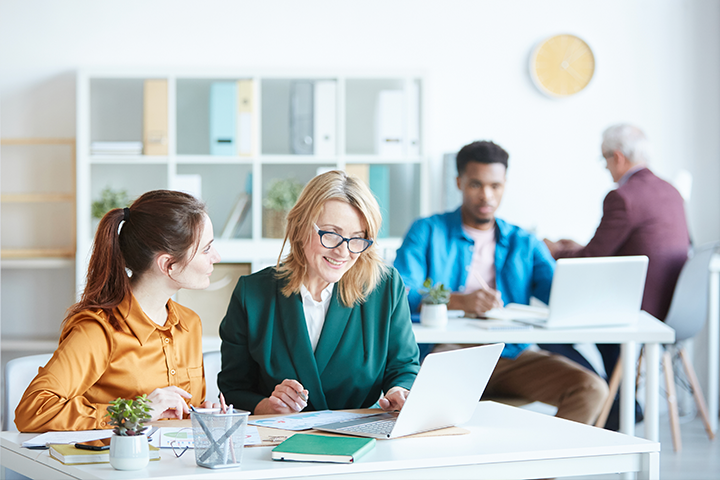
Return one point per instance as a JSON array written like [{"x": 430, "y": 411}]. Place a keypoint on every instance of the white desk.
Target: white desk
[
  {"x": 648, "y": 330},
  {"x": 504, "y": 442},
  {"x": 714, "y": 341}
]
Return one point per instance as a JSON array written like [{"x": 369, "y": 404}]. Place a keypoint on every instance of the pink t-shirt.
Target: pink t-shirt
[{"x": 482, "y": 265}]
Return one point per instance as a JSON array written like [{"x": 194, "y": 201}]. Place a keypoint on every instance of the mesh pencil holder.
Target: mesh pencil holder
[{"x": 219, "y": 438}]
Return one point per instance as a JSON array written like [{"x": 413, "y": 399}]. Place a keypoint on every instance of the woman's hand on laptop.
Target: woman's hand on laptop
[
  {"x": 288, "y": 397},
  {"x": 394, "y": 399}
]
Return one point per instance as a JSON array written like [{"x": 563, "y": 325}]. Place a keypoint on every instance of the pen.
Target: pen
[
  {"x": 223, "y": 408},
  {"x": 485, "y": 286},
  {"x": 302, "y": 395},
  {"x": 483, "y": 283}
]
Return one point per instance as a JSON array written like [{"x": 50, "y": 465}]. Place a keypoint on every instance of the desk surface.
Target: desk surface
[
  {"x": 647, "y": 330},
  {"x": 503, "y": 441}
]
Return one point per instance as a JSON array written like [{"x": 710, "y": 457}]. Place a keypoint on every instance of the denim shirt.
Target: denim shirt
[{"x": 436, "y": 247}]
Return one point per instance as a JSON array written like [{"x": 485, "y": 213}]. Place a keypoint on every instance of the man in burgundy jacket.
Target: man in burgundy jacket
[{"x": 643, "y": 216}]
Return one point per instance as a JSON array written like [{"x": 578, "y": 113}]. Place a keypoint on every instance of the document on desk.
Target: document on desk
[
  {"x": 182, "y": 437},
  {"x": 66, "y": 437},
  {"x": 306, "y": 421}
]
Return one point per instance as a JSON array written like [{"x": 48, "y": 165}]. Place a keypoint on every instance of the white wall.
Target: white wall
[{"x": 658, "y": 65}]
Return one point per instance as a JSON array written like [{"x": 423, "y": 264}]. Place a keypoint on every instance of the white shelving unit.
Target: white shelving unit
[
  {"x": 38, "y": 241},
  {"x": 110, "y": 108}
]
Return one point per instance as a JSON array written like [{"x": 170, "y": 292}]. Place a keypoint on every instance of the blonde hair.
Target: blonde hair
[{"x": 362, "y": 278}]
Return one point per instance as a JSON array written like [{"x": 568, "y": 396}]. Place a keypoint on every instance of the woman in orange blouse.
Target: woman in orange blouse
[{"x": 126, "y": 337}]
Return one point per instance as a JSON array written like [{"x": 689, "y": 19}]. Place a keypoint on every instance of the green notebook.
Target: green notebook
[{"x": 303, "y": 447}]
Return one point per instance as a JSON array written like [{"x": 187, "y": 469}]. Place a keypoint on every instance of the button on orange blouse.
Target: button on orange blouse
[{"x": 95, "y": 363}]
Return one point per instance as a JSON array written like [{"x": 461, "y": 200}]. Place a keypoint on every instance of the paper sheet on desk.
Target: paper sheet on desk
[
  {"x": 306, "y": 421},
  {"x": 67, "y": 437},
  {"x": 499, "y": 325},
  {"x": 515, "y": 311}
]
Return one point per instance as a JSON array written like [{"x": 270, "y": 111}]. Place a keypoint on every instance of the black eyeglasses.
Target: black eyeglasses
[
  {"x": 332, "y": 240},
  {"x": 178, "y": 450}
]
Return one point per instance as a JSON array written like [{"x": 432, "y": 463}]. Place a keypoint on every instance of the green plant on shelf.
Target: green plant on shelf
[
  {"x": 128, "y": 417},
  {"x": 282, "y": 194},
  {"x": 109, "y": 199},
  {"x": 435, "y": 294}
]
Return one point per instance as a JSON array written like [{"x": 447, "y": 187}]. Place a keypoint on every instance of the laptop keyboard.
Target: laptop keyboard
[{"x": 381, "y": 427}]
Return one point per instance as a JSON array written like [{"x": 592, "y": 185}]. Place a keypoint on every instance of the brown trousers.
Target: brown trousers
[{"x": 545, "y": 377}]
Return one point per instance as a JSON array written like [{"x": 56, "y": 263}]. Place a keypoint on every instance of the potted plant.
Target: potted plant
[
  {"x": 109, "y": 199},
  {"x": 281, "y": 197},
  {"x": 433, "y": 311},
  {"x": 129, "y": 445}
]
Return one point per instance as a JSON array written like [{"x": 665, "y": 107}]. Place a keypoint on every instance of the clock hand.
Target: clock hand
[
  {"x": 576, "y": 55},
  {"x": 574, "y": 73}
]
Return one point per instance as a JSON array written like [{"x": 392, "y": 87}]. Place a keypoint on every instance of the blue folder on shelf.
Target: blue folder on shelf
[{"x": 223, "y": 118}]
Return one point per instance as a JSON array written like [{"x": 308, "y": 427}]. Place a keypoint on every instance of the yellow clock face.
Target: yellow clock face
[{"x": 562, "y": 65}]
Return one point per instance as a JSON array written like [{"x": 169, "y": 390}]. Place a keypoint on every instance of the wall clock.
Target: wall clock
[{"x": 562, "y": 65}]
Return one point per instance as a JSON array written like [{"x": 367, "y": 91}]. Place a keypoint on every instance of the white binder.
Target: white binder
[
  {"x": 390, "y": 123},
  {"x": 325, "y": 118}
]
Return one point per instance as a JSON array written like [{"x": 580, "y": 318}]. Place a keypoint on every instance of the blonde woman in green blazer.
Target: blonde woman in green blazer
[{"x": 328, "y": 327}]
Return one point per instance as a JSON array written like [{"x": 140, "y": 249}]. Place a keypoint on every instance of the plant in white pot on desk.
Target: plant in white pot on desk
[
  {"x": 433, "y": 310},
  {"x": 129, "y": 445}
]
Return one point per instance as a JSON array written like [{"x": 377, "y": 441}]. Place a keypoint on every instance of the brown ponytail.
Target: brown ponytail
[{"x": 159, "y": 222}]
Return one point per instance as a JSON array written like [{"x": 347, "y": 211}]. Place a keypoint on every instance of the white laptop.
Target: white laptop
[
  {"x": 591, "y": 292},
  {"x": 445, "y": 394}
]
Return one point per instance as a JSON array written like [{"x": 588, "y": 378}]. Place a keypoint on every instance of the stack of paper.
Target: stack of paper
[{"x": 116, "y": 148}]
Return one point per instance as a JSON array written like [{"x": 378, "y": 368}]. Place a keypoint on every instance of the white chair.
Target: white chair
[
  {"x": 18, "y": 375},
  {"x": 212, "y": 363},
  {"x": 687, "y": 315}
]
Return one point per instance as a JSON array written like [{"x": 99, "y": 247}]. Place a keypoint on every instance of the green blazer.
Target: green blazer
[{"x": 362, "y": 351}]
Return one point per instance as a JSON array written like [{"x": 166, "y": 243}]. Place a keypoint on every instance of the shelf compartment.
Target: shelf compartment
[
  {"x": 21, "y": 321},
  {"x": 65, "y": 259},
  {"x": 273, "y": 221},
  {"x": 116, "y": 110},
  {"x": 38, "y": 226},
  {"x": 382, "y": 117},
  {"x": 227, "y": 191},
  {"x": 22, "y": 159},
  {"x": 396, "y": 187},
  {"x": 299, "y": 117},
  {"x": 195, "y": 115}
]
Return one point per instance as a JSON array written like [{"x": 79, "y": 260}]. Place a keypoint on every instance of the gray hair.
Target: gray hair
[{"x": 628, "y": 140}]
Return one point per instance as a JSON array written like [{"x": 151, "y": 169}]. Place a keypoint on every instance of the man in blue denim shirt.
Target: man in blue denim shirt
[{"x": 487, "y": 263}]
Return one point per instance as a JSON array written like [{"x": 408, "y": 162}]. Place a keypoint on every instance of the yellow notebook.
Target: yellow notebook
[{"x": 69, "y": 455}]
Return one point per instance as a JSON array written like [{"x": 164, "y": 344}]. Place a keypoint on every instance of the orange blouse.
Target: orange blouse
[{"x": 95, "y": 363}]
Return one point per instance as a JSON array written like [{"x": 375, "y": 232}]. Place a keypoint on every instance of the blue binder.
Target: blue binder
[
  {"x": 223, "y": 118},
  {"x": 379, "y": 183}
]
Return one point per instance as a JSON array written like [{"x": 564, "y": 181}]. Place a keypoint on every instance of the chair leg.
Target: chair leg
[
  {"x": 672, "y": 401},
  {"x": 697, "y": 392},
  {"x": 613, "y": 386},
  {"x": 639, "y": 369}
]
